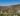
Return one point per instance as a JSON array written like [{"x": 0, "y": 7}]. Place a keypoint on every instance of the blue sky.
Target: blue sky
[{"x": 9, "y": 2}]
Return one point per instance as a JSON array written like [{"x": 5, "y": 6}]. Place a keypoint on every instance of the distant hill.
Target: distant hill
[{"x": 9, "y": 6}]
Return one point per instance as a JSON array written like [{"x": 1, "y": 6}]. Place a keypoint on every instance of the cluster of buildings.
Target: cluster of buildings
[{"x": 10, "y": 10}]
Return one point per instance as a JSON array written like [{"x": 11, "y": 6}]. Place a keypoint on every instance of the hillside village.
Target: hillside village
[{"x": 13, "y": 9}]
